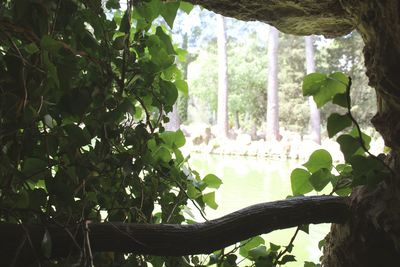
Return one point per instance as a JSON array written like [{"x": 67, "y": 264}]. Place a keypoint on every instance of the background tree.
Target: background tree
[
  {"x": 272, "y": 125},
  {"x": 315, "y": 119},
  {"x": 222, "y": 113}
]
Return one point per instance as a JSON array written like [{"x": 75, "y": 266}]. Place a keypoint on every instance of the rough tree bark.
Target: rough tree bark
[
  {"x": 222, "y": 114},
  {"x": 315, "y": 118},
  {"x": 272, "y": 125},
  {"x": 22, "y": 244}
]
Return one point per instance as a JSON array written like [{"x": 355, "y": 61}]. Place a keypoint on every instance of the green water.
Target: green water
[{"x": 248, "y": 181}]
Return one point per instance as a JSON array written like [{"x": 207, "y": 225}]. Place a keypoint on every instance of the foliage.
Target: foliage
[
  {"x": 84, "y": 93},
  {"x": 360, "y": 167}
]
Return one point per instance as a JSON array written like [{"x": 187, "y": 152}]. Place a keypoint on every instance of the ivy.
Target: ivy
[
  {"x": 360, "y": 166},
  {"x": 85, "y": 90}
]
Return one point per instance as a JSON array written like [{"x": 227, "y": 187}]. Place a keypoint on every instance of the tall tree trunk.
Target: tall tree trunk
[
  {"x": 237, "y": 121},
  {"x": 222, "y": 114},
  {"x": 315, "y": 118},
  {"x": 272, "y": 131}
]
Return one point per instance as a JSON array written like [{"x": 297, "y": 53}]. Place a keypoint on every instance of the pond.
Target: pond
[{"x": 248, "y": 181}]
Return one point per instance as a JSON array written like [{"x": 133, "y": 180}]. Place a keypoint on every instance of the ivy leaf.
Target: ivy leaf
[
  {"x": 320, "y": 179},
  {"x": 312, "y": 83},
  {"x": 168, "y": 12},
  {"x": 49, "y": 44},
  {"x": 193, "y": 192},
  {"x": 340, "y": 100},
  {"x": 319, "y": 159},
  {"x": 287, "y": 258},
  {"x": 324, "y": 87},
  {"x": 247, "y": 245},
  {"x": 209, "y": 199},
  {"x": 258, "y": 252},
  {"x": 31, "y": 48},
  {"x": 273, "y": 247},
  {"x": 125, "y": 23},
  {"x": 212, "y": 181},
  {"x": 186, "y": 7},
  {"x": 304, "y": 228},
  {"x": 300, "y": 183},
  {"x": 182, "y": 86},
  {"x": 33, "y": 167},
  {"x": 112, "y": 4},
  {"x": 311, "y": 264},
  {"x": 77, "y": 136},
  {"x": 349, "y": 146},
  {"x": 173, "y": 139},
  {"x": 337, "y": 123},
  {"x": 166, "y": 40}
]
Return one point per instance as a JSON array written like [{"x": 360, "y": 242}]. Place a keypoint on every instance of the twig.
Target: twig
[{"x": 283, "y": 252}]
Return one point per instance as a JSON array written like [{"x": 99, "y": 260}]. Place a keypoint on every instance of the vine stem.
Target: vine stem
[
  {"x": 283, "y": 252},
  {"x": 348, "y": 99}
]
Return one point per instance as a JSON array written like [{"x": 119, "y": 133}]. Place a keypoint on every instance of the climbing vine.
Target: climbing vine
[{"x": 84, "y": 92}]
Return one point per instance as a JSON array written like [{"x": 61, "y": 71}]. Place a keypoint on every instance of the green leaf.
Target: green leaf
[
  {"x": 366, "y": 138},
  {"x": 170, "y": 94},
  {"x": 186, "y": 7},
  {"x": 76, "y": 135},
  {"x": 166, "y": 40},
  {"x": 125, "y": 25},
  {"x": 300, "y": 183},
  {"x": 249, "y": 244},
  {"x": 112, "y": 4},
  {"x": 212, "y": 181},
  {"x": 168, "y": 12},
  {"x": 312, "y": 83},
  {"x": 173, "y": 139},
  {"x": 49, "y": 44},
  {"x": 31, "y": 48},
  {"x": 193, "y": 192},
  {"x": 258, "y": 252},
  {"x": 304, "y": 228},
  {"x": 46, "y": 244},
  {"x": 337, "y": 123},
  {"x": 340, "y": 100},
  {"x": 182, "y": 86},
  {"x": 320, "y": 179},
  {"x": 324, "y": 87},
  {"x": 287, "y": 258},
  {"x": 311, "y": 264},
  {"x": 349, "y": 146},
  {"x": 209, "y": 199},
  {"x": 319, "y": 159},
  {"x": 33, "y": 167},
  {"x": 273, "y": 247}
]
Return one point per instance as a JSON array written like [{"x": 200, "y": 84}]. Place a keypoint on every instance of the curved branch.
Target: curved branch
[{"x": 175, "y": 240}]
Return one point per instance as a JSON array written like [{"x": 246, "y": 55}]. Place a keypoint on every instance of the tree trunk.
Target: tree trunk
[
  {"x": 237, "y": 121},
  {"x": 272, "y": 131},
  {"x": 222, "y": 114},
  {"x": 315, "y": 118}
]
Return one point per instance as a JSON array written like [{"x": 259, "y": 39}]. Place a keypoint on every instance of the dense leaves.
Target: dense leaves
[{"x": 84, "y": 92}]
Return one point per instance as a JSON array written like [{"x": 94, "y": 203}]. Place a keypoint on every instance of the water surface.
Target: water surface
[{"x": 248, "y": 181}]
